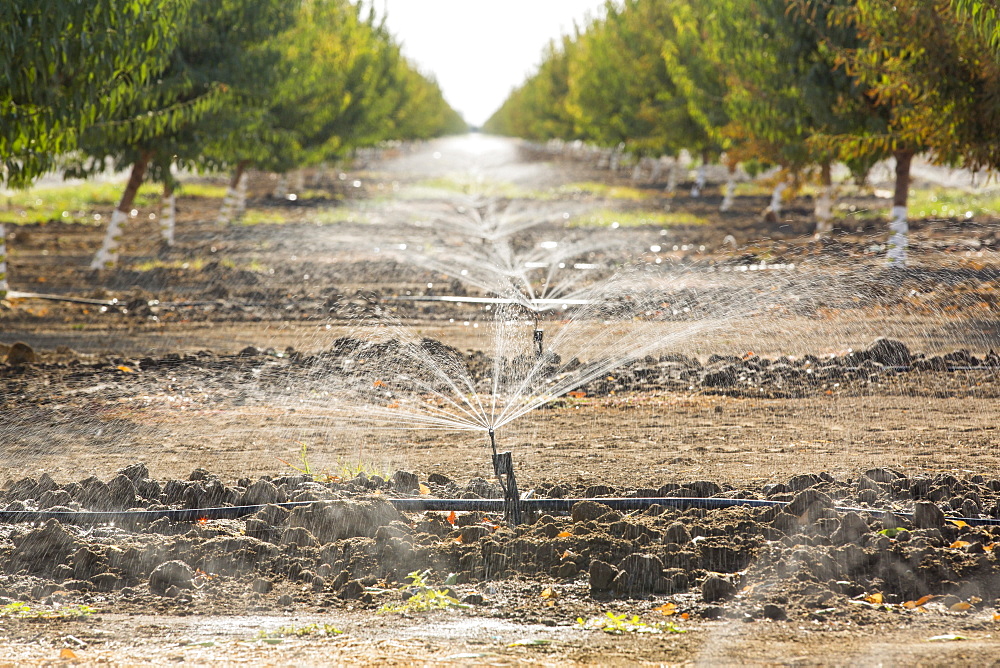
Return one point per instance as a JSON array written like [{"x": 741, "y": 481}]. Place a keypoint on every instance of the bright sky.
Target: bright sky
[{"x": 480, "y": 49}]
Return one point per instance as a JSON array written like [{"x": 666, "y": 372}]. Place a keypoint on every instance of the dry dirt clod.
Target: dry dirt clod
[
  {"x": 715, "y": 589},
  {"x": 21, "y": 353},
  {"x": 585, "y": 511},
  {"x": 927, "y": 515},
  {"x": 171, "y": 574}
]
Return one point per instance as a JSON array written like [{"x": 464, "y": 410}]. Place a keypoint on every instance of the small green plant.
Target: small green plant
[
  {"x": 292, "y": 631},
  {"x": 21, "y": 610},
  {"x": 604, "y": 190},
  {"x": 264, "y": 217},
  {"x": 343, "y": 471},
  {"x": 425, "y": 598},
  {"x": 622, "y": 624},
  {"x": 196, "y": 264},
  {"x": 612, "y": 218}
]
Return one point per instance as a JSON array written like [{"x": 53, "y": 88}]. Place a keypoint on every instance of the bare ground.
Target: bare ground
[{"x": 158, "y": 378}]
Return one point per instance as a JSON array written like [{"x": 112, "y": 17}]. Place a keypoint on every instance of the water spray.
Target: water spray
[
  {"x": 424, "y": 504},
  {"x": 503, "y": 467}
]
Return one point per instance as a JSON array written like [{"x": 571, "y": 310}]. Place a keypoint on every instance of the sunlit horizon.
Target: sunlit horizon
[{"x": 479, "y": 51}]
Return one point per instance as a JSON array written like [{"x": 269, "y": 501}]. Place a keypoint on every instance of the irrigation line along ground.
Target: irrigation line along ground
[{"x": 414, "y": 505}]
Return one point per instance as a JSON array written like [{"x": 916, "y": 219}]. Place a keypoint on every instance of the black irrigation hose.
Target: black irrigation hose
[{"x": 431, "y": 504}]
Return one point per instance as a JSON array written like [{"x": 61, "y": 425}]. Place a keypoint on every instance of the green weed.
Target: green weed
[
  {"x": 269, "y": 216},
  {"x": 424, "y": 599},
  {"x": 73, "y": 204},
  {"x": 196, "y": 264},
  {"x": 21, "y": 610},
  {"x": 292, "y": 631},
  {"x": 342, "y": 471},
  {"x": 430, "y": 188},
  {"x": 953, "y": 203},
  {"x": 623, "y": 624},
  {"x": 611, "y": 218},
  {"x": 604, "y": 190}
]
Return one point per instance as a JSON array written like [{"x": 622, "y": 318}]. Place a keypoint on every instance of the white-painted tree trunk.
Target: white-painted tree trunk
[
  {"x": 4, "y": 287},
  {"x": 699, "y": 181},
  {"x": 672, "y": 176},
  {"x": 777, "y": 197},
  {"x": 241, "y": 197},
  {"x": 299, "y": 184},
  {"x": 107, "y": 255},
  {"x": 603, "y": 158},
  {"x": 824, "y": 212},
  {"x": 615, "y": 160},
  {"x": 168, "y": 218},
  {"x": 228, "y": 207},
  {"x": 899, "y": 229},
  {"x": 656, "y": 169},
  {"x": 637, "y": 171},
  {"x": 730, "y": 195},
  {"x": 281, "y": 187},
  {"x": 319, "y": 174}
]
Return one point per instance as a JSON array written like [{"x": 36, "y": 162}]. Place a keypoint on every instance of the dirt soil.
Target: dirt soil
[{"x": 276, "y": 363}]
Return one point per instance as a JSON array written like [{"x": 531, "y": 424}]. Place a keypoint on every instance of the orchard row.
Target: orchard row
[{"x": 798, "y": 84}]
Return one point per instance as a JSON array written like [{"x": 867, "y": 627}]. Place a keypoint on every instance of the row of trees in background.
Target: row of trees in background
[
  {"x": 794, "y": 83},
  {"x": 210, "y": 85}
]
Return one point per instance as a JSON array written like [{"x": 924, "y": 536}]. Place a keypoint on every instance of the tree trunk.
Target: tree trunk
[
  {"x": 727, "y": 199},
  {"x": 232, "y": 208},
  {"x": 4, "y": 287},
  {"x": 107, "y": 256},
  {"x": 672, "y": 175},
  {"x": 240, "y": 183},
  {"x": 656, "y": 169},
  {"x": 319, "y": 174},
  {"x": 824, "y": 203},
  {"x": 899, "y": 228},
  {"x": 637, "y": 170},
  {"x": 168, "y": 213},
  {"x": 700, "y": 180},
  {"x": 281, "y": 187}
]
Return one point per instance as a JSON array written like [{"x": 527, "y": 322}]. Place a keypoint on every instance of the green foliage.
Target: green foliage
[
  {"x": 423, "y": 597},
  {"x": 21, "y": 610},
  {"x": 342, "y": 471},
  {"x": 792, "y": 82},
  {"x": 65, "y": 66},
  {"x": 68, "y": 204},
  {"x": 306, "y": 630},
  {"x": 617, "y": 218},
  {"x": 621, "y": 624}
]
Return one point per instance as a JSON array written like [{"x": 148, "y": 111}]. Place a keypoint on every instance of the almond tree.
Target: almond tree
[
  {"x": 537, "y": 109},
  {"x": 64, "y": 65},
  {"x": 936, "y": 80},
  {"x": 619, "y": 89},
  {"x": 211, "y": 65}
]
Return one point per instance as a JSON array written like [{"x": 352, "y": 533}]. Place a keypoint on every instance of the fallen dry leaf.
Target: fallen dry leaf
[
  {"x": 667, "y": 608},
  {"x": 919, "y": 602}
]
